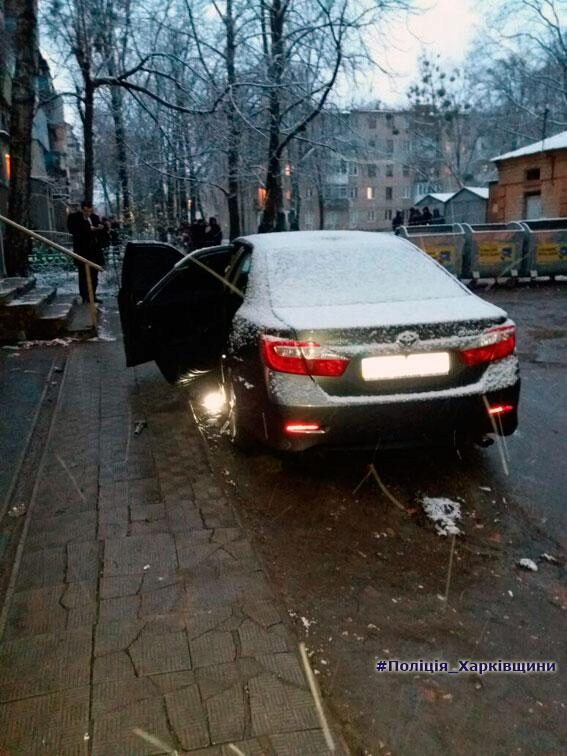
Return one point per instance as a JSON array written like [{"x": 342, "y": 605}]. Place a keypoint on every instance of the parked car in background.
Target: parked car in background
[{"x": 326, "y": 338}]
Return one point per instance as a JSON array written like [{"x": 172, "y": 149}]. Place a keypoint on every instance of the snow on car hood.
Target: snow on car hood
[{"x": 383, "y": 314}]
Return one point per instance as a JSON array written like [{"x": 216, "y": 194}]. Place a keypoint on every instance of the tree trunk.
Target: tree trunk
[
  {"x": 21, "y": 121},
  {"x": 274, "y": 197},
  {"x": 233, "y": 156},
  {"x": 88, "y": 136},
  {"x": 121, "y": 156}
]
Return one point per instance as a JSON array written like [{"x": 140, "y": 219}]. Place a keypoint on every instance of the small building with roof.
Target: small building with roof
[
  {"x": 434, "y": 201},
  {"x": 468, "y": 205},
  {"x": 532, "y": 182}
]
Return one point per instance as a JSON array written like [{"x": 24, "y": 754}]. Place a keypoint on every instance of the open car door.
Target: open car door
[
  {"x": 185, "y": 318},
  {"x": 145, "y": 263}
]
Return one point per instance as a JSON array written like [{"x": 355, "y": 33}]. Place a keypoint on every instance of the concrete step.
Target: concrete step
[
  {"x": 54, "y": 318},
  {"x": 17, "y": 315},
  {"x": 80, "y": 321},
  {"x": 13, "y": 287}
]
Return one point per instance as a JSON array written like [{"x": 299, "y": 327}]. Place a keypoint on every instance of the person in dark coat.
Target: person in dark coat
[
  {"x": 437, "y": 219},
  {"x": 213, "y": 234},
  {"x": 426, "y": 217},
  {"x": 398, "y": 221},
  {"x": 414, "y": 217},
  {"x": 88, "y": 234},
  {"x": 198, "y": 231}
]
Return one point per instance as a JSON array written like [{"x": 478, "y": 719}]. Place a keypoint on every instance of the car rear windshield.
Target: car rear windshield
[{"x": 331, "y": 275}]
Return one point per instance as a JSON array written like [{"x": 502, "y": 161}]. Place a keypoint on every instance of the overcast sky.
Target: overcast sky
[{"x": 446, "y": 27}]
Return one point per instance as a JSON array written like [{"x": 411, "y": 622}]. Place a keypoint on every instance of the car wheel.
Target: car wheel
[{"x": 240, "y": 437}]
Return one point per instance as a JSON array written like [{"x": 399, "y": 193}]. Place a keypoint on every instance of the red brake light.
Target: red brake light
[
  {"x": 500, "y": 409},
  {"x": 495, "y": 344},
  {"x": 301, "y": 357},
  {"x": 298, "y": 427}
]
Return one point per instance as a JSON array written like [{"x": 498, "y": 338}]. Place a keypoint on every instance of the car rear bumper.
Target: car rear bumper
[{"x": 394, "y": 425}]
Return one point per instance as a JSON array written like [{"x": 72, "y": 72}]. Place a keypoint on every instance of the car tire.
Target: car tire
[{"x": 239, "y": 437}]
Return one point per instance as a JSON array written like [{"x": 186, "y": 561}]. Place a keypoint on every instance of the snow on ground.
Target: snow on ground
[
  {"x": 444, "y": 514},
  {"x": 528, "y": 564}
]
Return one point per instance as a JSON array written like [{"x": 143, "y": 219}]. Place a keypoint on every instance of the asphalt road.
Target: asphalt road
[{"x": 538, "y": 473}]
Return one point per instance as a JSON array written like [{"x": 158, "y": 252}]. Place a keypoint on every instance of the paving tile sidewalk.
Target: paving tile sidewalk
[{"x": 141, "y": 621}]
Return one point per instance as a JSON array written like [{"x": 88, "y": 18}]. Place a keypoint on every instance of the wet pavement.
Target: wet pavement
[
  {"x": 139, "y": 603},
  {"x": 136, "y": 617}
]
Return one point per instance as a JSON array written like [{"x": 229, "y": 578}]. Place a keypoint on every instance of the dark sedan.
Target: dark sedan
[{"x": 332, "y": 338}]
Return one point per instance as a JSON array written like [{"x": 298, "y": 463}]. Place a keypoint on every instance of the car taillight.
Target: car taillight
[
  {"x": 500, "y": 409},
  {"x": 299, "y": 428},
  {"x": 495, "y": 344},
  {"x": 301, "y": 357}
]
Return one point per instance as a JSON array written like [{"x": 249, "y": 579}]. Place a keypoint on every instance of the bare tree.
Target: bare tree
[{"x": 21, "y": 121}]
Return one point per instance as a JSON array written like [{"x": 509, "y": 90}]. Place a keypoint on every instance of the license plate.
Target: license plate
[{"x": 394, "y": 366}]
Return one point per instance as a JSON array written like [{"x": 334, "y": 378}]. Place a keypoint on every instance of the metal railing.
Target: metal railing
[{"x": 54, "y": 245}]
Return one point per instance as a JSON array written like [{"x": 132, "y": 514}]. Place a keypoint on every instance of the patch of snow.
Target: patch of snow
[
  {"x": 444, "y": 513},
  {"x": 528, "y": 564},
  {"x": 307, "y": 624},
  {"x": 550, "y": 558},
  {"x": 102, "y": 337},
  {"x": 63, "y": 342},
  {"x": 485, "y": 488}
]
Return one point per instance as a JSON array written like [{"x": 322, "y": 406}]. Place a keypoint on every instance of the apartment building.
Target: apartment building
[{"x": 369, "y": 176}]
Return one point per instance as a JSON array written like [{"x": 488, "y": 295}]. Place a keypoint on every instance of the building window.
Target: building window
[
  {"x": 343, "y": 192},
  {"x": 390, "y": 169},
  {"x": 370, "y": 192},
  {"x": 372, "y": 143},
  {"x": 389, "y": 146},
  {"x": 371, "y": 170},
  {"x": 389, "y": 193},
  {"x": 532, "y": 174},
  {"x": 353, "y": 219},
  {"x": 308, "y": 193},
  {"x": 372, "y": 215},
  {"x": 371, "y": 122},
  {"x": 353, "y": 192},
  {"x": 406, "y": 192},
  {"x": 343, "y": 168},
  {"x": 387, "y": 215},
  {"x": 405, "y": 170},
  {"x": 353, "y": 169}
]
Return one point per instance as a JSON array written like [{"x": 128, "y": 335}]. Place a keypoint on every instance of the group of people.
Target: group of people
[
  {"x": 199, "y": 234},
  {"x": 93, "y": 234},
  {"x": 417, "y": 217}
]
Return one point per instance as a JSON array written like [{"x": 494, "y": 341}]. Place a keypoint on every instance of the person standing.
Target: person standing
[
  {"x": 398, "y": 221},
  {"x": 88, "y": 234},
  {"x": 213, "y": 234},
  {"x": 426, "y": 217}
]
